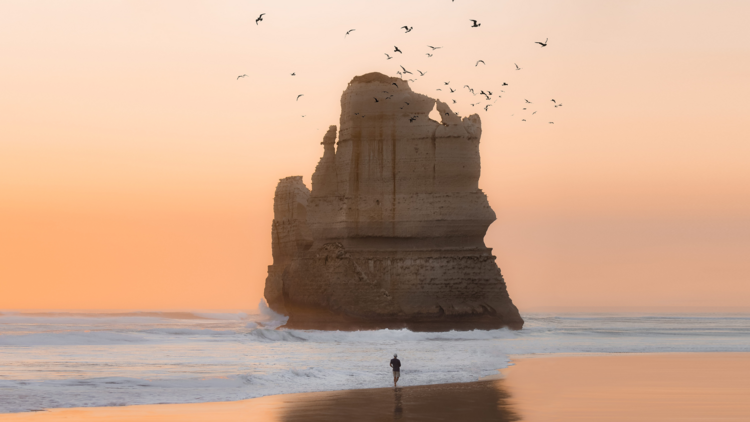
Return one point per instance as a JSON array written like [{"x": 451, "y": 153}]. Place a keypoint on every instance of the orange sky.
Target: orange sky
[{"x": 136, "y": 172}]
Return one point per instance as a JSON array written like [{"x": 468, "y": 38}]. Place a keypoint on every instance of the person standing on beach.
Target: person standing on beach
[{"x": 396, "y": 365}]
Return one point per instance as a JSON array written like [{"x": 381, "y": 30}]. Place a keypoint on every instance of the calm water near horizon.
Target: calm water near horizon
[{"x": 66, "y": 359}]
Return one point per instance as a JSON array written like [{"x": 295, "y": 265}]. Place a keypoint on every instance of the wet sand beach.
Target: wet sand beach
[{"x": 627, "y": 387}]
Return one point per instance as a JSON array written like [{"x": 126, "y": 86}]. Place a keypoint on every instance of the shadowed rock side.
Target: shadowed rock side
[
  {"x": 290, "y": 234},
  {"x": 396, "y": 219}
]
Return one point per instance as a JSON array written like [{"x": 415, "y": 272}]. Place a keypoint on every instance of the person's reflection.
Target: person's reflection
[{"x": 398, "y": 407}]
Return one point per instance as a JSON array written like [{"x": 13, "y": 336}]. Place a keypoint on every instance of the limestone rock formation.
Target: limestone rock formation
[
  {"x": 392, "y": 233},
  {"x": 290, "y": 234}
]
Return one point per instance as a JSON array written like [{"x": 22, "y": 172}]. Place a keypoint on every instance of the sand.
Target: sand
[{"x": 627, "y": 387}]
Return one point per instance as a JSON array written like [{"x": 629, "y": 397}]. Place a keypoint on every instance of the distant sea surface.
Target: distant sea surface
[{"x": 59, "y": 359}]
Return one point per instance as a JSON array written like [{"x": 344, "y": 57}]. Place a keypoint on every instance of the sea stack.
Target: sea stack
[{"x": 392, "y": 233}]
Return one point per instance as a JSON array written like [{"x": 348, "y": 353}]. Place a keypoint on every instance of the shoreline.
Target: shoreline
[{"x": 547, "y": 387}]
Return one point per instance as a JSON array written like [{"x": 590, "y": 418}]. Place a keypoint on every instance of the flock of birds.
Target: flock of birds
[{"x": 487, "y": 94}]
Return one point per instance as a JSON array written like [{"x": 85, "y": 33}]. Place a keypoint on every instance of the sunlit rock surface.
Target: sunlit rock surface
[{"x": 392, "y": 234}]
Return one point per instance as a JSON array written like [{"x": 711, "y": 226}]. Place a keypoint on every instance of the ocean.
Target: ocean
[{"x": 66, "y": 359}]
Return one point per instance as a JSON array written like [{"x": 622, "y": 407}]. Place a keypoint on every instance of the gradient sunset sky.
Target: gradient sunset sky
[{"x": 137, "y": 172}]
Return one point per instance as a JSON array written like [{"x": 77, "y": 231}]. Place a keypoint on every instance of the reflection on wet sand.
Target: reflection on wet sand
[{"x": 477, "y": 401}]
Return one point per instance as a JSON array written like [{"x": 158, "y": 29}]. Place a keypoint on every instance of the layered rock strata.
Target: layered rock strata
[{"x": 392, "y": 233}]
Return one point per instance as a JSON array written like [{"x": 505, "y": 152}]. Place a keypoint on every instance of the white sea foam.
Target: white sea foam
[{"x": 64, "y": 360}]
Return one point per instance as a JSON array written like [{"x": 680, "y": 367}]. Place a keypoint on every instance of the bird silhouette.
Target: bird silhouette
[
  {"x": 552, "y": 123},
  {"x": 376, "y": 99},
  {"x": 476, "y": 24},
  {"x": 447, "y": 82},
  {"x": 260, "y": 18},
  {"x": 294, "y": 74},
  {"x": 452, "y": 90},
  {"x": 505, "y": 84},
  {"x": 411, "y": 119},
  {"x": 421, "y": 73},
  {"x": 517, "y": 68},
  {"x": 395, "y": 84},
  {"x": 543, "y": 44},
  {"x": 438, "y": 89},
  {"x": 533, "y": 113},
  {"x": 553, "y": 100},
  {"x": 242, "y": 76},
  {"x": 523, "y": 120},
  {"x": 389, "y": 57},
  {"x": 406, "y": 103},
  {"x": 406, "y": 71},
  {"x": 433, "y": 48},
  {"x": 407, "y": 29},
  {"x": 487, "y": 106},
  {"x": 396, "y": 50},
  {"x": 412, "y": 80},
  {"x": 398, "y": 72},
  {"x": 480, "y": 61},
  {"x": 429, "y": 55},
  {"x": 527, "y": 101},
  {"x": 299, "y": 96},
  {"x": 349, "y": 32},
  {"x": 454, "y": 101},
  {"x": 489, "y": 92}
]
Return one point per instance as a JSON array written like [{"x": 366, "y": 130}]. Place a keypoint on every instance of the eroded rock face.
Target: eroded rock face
[
  {"x": 290, "y": 235},
  {"x": 396, "y": 222}
]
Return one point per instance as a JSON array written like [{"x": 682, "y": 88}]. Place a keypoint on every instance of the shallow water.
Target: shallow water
[{"x": 52, "y": 360}]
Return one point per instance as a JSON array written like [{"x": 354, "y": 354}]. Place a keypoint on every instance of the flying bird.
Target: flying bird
[
  {"x": 411, "y": 119},
  {"x": 260, "y": 18},
  {"x": 407, "y": 29},
  {"x": 489, "y": 92},
  {"x": 421, "y": 73},
  {"x": 517, "y": 68},
  {"x": 454, "y": 101},
  {"x": 299, "y": 96},
  {"x": 480, "y": 61},
  {"x": 505, "y": 84},
  {"x": 349, "y": 32},
  {"x": 294, "y": 74},
  {"x": 552, "y": 123},
  {"x": 475, "y": 24},
  {"x": 389, "y": 57},
  {"x": 527, "y": 101},
  {"x": 452, "y": 90},
  {"x": 429, "y": 55},
  {"x": 533, "y": 113},
  {"x": 487, "y": 106},
  {"x": 553, "y": 100},
  {"x": 397, "y": 50},
  {"x": 376, "y": 99},
  {"x": 433, "y": 48},
  {"x": 438, "y": 89},
  {"x": 447, "y": 82},
  {"x": 394, "y": 83},
  {"x": 406, "y": 71},
  {"x": 523, "y": 120},
  {"x": 543, "y": 44},
  {"x": 242, "y": 76}
]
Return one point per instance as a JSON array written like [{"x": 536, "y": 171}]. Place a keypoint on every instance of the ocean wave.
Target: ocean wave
[{"x": 73, "y": 338}]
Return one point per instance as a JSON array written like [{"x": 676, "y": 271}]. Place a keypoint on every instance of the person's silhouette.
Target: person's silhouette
[{"x": 396, "y": 365}]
